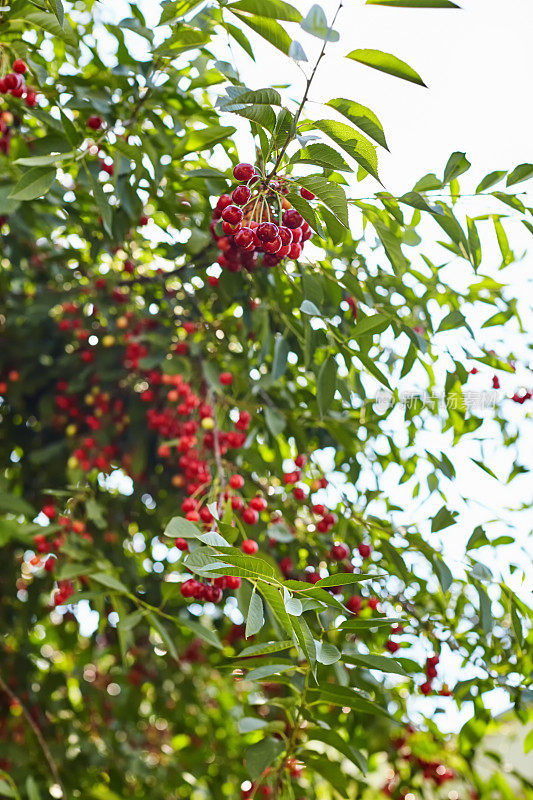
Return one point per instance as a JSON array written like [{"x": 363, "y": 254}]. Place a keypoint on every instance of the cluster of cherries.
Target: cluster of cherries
[
  {"x": 209, "y": 592},
  {"x": 14, "y": 84},
  {"x": 243, "y": 223},
  {"x": 431, "y": 673},
  {"x": 430, "y": 770}
]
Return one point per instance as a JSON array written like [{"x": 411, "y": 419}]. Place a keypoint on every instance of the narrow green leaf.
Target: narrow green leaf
[
  {"x": 413, "y": 3},
  {"x": 34, "y": 183},
  {"x": 261, "y": 755},
  {"x": 255, "y": 618},
  {"x": 273, "y": 9},
  {"x": 385, "y": 62},
  {"x": 362, "y": 117},
  {"x": 316, "y": 24},
  {"x": 266, "y": 649},
  {"x": 330, "y": 193},
  {"x": 351, "y": 141},
  {"x": 269, "y": 29},
  {"x": 326, "y": 383},
  {"x": 520, "y": 173}
]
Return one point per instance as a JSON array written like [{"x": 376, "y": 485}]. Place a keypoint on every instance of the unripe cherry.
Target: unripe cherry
[{"x": 243, "y": 172}]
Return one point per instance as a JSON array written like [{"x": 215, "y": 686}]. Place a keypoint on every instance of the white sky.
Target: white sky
[{"x": 477, "y": 64}]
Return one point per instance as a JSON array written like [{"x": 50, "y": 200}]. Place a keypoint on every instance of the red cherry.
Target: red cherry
[
  {"x": 249, "y": 547},
  {"x": 373, "y": 602},
  {"x": 250, "y": 516},
  {"x": 495, "y": 382},
  {"x": 223, "y": 202},
  {"x": 226, "y": 378},
  {"x": 307, "y": 194},
  {"x": 49, "y": 511},
  {"x": 273, "y": 246},
  {"x": 354, "y": 604},
  {"x": 267, "y": 231},
  {"x": 181, "y": 544},
  {"x": 285, "y": 235},
  {"x": 258, "y": 503},
  {"x": 190, "y": 588},
  {"x": 271, "y": 259},
  {"x": 95, "y": 123},
  {"x": 391, "y": 646},
  {"x": 232, "y": 214},
  {"x": 295, "y": 251},
  {"x": 364, "y": 550},
  {"x": 300, "y": 460},
  {"x": 236, "y": 481},
  {"x": 426, "y": 688},
  {"x": 233, "y": 582},
  {"x": 299, "y": 493},
  {"x": 243, "y": 172},
  {"x": 20, "y": 66},
  {"x": 339, "y": 552},
  {"x": 292, "y": 219},
  {"x": 241, "y": 195},
  {"x": 245, "y": 238}
]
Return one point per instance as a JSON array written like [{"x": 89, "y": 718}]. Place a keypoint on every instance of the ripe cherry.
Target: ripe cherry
[
  {"x": 250, "y": 516},
  {"x": 267, "y": 231},
  {"x": 232, "y": 214},
  {"x": 223, "y": 202},
  {"x": 226, "y": 378},
  {"x": 258, "y": 503},
  {"x": 245, "y": 238},
  {"x": 95, "y": 123},
  {"x": 307, "y": 194},
  {"x": 181, "y": 544},
  {"x": 233, "y": 582},
  {"x": 190, "y": 588},
  {"x": 20, "y": 66},
  {"x": 364, "y": 550},
  {"x": 249, "y": 547},
  {"x": 339, "y": 552},
  {"x": 292, "y": 219},
  {"x": 236, "y": 481},
  {"x": 241, "y": 195},
  {"x": 243, "y": 172},
  {"x": 354, "y": 604},
  {"x": 391, "y": 646}
]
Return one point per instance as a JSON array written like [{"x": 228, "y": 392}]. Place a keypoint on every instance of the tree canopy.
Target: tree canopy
[{"x": 206, "y": 587}]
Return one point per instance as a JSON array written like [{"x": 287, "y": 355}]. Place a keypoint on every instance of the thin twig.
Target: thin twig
[
  {"x": 38, "y": 735},
  {"x": 290, "y": 135}
]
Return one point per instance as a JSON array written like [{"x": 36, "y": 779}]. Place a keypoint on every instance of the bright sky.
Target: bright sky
[{"x": 475, "y": 63}]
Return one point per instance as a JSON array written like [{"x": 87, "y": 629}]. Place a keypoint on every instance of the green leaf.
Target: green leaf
[
  {"x": 310, "y": 308},
  {"x": 327, "y": 653},
  {"x": 376, "y": 323},
  {"x": 305, "y": 640},
  {"x": 12, "y": 504},
  {"x": 269, "y": 97},
  {"x": 345, "y": 579},
  {"x": 444, "y": 575},
  {"x": 367, "y": 624},
  {"x": 32, "y": 789},
  {"x": 333, "y": 739},
  {"x": 322, "y": 155},
  {"x": 316, "y": 24},
  {"x": 296, "y": 51},
  {"x": 34, "y": 183},
  {"x": 306, "y": 210},
  {"x": 45, "y": 161},
  {"x": 178, "y": 527},
  {"x": 275, "y": 420},
  {"x": 260, "y": 673},
  {"x": 331, "y": 194},
  {"x": 385, "y": 62},
  {"x": 273, "y": 9},
  {"x": 261, "y": 755},
  {"x": 457, "y": 164},
  {"x": 274, "y": 600},
  {"x": 490, "y": 180},
  {"x": 166, "y": 638},
  {"x": 279, "y": 363},
  {"x": 129, "y": 622},
  {"x": 110, "y": 582},
  {"x": 326, "y": 384},
  {"x": 266, "y": 649},
  {"x": 330, "y": 771},
  {"x": 443, "y": 519},
  {"x": 372, "y": 661},
  {"x": 344, "y": 696},
  {"x": 351, "y": 141},
  {"x": 204, "y": 633},
  {"x": 520, "y": 173},
  {"x": 32, "y": 16},
  {"x": 255, "y": 618},
  {"x": 240, "y": 38},
  {"x": 413, "y": 3},
  {"x": 207, "y": 138},
  {"x": 485, "y": 609},
  {"x": 269, "y": 29},
  {"x": 103, "y": 204},
  {"x": 57, "y": 7},
  {"x": 362, "y": 117}
]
